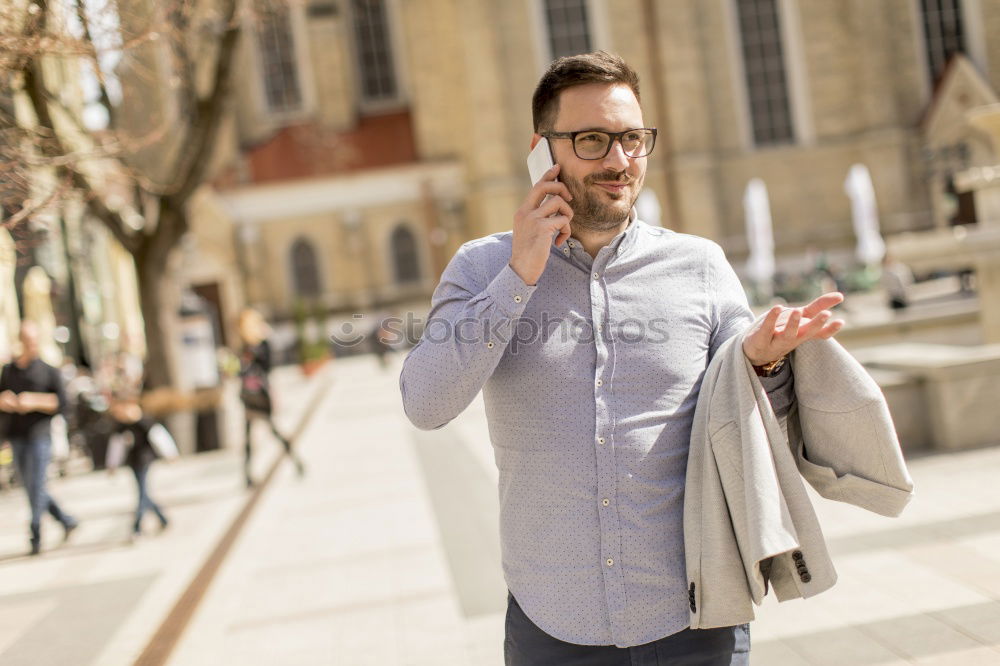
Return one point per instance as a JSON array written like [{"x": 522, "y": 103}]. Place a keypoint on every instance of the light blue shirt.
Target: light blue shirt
[{"x": 590, "y": 380}]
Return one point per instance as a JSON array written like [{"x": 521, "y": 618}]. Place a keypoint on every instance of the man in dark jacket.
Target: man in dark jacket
[{"x": 31, "y": 393}]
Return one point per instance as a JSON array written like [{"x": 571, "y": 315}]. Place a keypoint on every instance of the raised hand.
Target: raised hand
[
  {"x": 784, "y": 329},
  {"x": 536, "y": 222}
]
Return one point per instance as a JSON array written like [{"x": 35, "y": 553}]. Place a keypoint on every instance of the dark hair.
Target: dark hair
[{"x": 569, "y": 71}]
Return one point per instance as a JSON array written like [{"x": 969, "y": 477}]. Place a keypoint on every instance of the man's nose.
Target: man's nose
[{"x": 616, "y": 159}]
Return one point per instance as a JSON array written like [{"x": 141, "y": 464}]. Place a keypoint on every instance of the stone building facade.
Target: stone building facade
[{"x": 375, "y": 136}]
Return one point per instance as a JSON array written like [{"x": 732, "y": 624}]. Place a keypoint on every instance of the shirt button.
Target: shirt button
[
  {"x": 566, "y": 251},
  {"x": 489, "y": 345},
  {"x": 597, "y": 276},
  {"x": 517, "y": 299},
  {"x": 600, "y": 383},
  {"x": 605, "y": 502},
  {"x": 610, "y": 562},
  {"x": 600, "y": 440}
]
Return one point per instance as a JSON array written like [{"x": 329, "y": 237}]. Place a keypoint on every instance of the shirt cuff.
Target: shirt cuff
[{"x": 509, "y": 292}]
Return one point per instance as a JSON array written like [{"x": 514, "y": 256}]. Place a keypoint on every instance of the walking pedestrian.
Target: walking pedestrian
[
  {"x": 255, "y": 386},
  {"x": 31, "y": 392},
  {"x": 594, "y": 332},
  {"x": 139, "y": 441}
]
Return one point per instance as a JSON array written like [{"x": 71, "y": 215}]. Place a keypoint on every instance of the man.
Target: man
[
  {"x": 31, "y": 392},
  {"x": 589, "y": 332}
]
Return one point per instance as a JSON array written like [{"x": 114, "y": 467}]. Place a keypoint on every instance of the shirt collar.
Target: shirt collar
[{"x": 620, "y": 243}]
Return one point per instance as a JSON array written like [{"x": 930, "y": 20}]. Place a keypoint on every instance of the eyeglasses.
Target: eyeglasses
[{"x": 595, "y": 145}]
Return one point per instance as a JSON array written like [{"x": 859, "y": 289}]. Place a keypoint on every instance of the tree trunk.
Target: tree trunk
[{"x": 159, "y": 311}]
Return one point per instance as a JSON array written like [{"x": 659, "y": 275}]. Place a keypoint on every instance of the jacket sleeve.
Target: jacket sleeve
[
  {"x": 842, "y": 433},
  {"x": 470, "y": 322}
]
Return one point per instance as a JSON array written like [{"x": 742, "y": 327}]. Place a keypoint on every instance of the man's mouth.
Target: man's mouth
[{"x": 613, "y": 187}]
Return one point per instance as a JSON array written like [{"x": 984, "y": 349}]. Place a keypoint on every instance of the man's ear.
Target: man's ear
[{"x": 535, "y": 138}]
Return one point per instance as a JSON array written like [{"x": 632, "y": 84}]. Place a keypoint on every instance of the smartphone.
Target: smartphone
[{"x": 539, "y": 160}]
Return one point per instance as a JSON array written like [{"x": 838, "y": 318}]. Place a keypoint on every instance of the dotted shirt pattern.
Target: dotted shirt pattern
[{"x": 590, "y": 380}]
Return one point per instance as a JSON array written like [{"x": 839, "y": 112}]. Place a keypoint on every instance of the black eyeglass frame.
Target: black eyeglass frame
[{"x": 615, "y": 136}]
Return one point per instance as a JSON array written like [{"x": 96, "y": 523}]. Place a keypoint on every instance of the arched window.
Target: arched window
[
  {"x": 305, "y": 269},
  {"x": 406, "y": 264}
]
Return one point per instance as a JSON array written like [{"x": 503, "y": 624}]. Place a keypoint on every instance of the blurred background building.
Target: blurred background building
[
  {"x": 374, "y": 136},
  {"x": 370, "y": 138}
]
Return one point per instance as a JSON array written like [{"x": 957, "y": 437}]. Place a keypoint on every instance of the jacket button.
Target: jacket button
[
  {"x": 805, "y": 577},
  {"x": 797, "y": 555}
]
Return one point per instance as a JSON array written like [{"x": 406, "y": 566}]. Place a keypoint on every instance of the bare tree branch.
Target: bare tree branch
[
  {"x": 102, "y": 83},
  {"x": 200, "y": 141},
  {"x": 35, "y": 88}
]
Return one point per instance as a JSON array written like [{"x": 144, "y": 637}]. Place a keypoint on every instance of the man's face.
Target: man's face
[
  {"x": 603, "y": 190},
  {"x": 29, "y": 340}
]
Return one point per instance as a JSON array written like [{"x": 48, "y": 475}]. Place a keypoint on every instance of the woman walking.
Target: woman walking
[
  {"x": 139, "y": 440},
  {"x": 255, "y": 385}
]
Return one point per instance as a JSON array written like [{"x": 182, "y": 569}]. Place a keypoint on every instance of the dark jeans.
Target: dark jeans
[
  {"x": 145, "y": 501},
  {"x": 31, "y": 455},
  {"x": 527, "y": 645}
]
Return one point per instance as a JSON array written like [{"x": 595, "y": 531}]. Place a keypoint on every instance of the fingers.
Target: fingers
[
  {"x": 824, "y": 302},
  {"x": 791, "y": 330},
  {"x": 555, "y": 205},
  {"x": 565, "y": 231},
  {"x": 771, "y": 320},
  {"x": 548, "y": 185}
]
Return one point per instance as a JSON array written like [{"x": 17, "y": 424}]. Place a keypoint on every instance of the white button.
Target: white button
[
  {"x": 611, "y": 562},
  {"x": 565, "y": 250},
  {"x": 600, "y": 327},
  {"x": 489, "y": 345},
  {"x": 517, "y": 299},
  {"x": 605, "y": 502},
  {"x": 597, "y": 276},
  {"x": 600, "y": 383},
  {"x": 600, "y": 440}
]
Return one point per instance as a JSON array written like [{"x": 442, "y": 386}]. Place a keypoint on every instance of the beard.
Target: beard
[{"x": 591, "y": 208}]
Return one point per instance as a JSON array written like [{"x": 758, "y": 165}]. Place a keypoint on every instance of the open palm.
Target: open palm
[{"x": 783, "y": 328}]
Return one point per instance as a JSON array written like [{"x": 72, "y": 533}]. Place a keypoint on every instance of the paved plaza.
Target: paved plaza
[{"x": 386, "y": 553}]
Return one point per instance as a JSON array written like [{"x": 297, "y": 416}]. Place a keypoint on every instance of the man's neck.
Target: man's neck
[
  {"x": 24, "y": 361},
  {"x": 593, "y": 241}
]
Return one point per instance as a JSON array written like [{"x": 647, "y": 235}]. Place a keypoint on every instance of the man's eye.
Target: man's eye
[
  {"x": 590, "y": 138},
  {"x": 633, "y": 136}
]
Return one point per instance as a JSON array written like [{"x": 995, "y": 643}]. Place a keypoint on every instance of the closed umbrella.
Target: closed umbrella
[
  {"x": 864, "y": 214},
  {"x": 760, "y": 238}
]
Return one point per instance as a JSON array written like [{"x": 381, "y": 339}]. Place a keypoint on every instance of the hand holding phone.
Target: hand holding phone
[{"x": 543, "y": 219}]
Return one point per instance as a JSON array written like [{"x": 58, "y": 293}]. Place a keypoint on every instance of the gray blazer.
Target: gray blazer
[{"x": 748, "y": 522}]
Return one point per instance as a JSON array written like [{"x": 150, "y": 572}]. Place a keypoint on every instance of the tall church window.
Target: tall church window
[
  {"x": 568, "y": 30},
  {"x": 943, "y": 32},
  {"x": 375, "y": 53},
  {"x": 282, "y": 90},
  {"x": 764, "y": 65}
]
